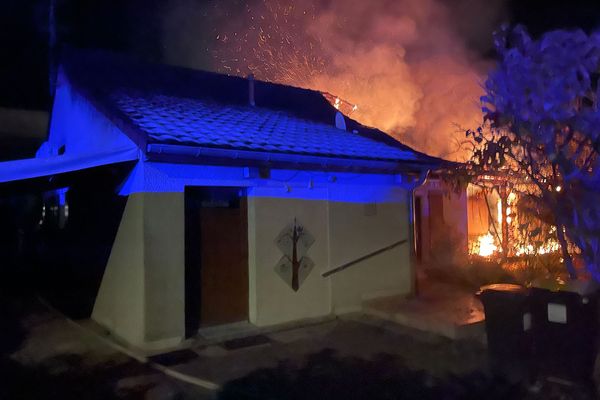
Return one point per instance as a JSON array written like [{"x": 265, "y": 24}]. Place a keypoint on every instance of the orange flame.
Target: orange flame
[{"x": 399, "y": 63}]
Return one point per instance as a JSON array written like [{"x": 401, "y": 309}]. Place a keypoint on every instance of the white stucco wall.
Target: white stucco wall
[
  {"x": 141, "y": 297},
  {"x": 349, "y": 216},
  {"x": 120, "y": 301},
  {"x": 360, "y": 229},
  {"x": 344, "y": 232},
  {"x": 164, "y": 265},
  {"x": 272, "y": 301}
]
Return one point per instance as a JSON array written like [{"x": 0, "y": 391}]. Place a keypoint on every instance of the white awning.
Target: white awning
[{"x": 47, "y": 166}]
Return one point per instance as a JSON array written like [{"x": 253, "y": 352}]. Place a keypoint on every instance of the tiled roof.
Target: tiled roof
[
  {"x": 159, "y": 104},
  {"x": 168, "y": 119}
]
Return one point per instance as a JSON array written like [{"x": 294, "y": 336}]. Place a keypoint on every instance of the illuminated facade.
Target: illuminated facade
[{"x": 218, "y": 170}]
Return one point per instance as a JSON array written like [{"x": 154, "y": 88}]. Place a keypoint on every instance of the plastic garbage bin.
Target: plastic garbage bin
[
  {"x": 565, "y": 331},
  {"x": 508, "y": 326}
]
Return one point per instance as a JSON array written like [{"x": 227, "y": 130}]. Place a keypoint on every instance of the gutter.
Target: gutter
[
  {"x": 165, "y": 151},
  {"x": 411, "y": 229}
]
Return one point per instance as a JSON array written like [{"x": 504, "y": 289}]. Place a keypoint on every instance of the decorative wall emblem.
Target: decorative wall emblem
[{"x": 295, "y": 266}]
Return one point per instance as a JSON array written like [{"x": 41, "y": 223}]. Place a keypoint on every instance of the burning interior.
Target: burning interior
[
  {"x": 499, "y": 225},
  {"x": 489, "y": 224}
]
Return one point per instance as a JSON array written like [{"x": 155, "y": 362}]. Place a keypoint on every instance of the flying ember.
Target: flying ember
[{"x": 383, "y": 59}]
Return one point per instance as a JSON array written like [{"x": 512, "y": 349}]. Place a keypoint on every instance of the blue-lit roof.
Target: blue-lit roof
[
  {"x": 157, "y": 104},
  {"x": 168, "y": 119}
]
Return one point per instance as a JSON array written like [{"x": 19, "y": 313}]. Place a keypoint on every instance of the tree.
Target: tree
[{"x": 542, "y": 130}]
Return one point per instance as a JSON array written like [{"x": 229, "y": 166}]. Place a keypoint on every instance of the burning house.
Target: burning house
[
  {"x": 488, "y": 219},
  {"x": 189, "y": 199}
]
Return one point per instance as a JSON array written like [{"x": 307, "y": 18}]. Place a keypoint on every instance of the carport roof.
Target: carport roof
[{"x": 30, "y": 168}]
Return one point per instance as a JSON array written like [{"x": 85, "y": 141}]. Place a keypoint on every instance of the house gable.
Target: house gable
[{"x": 77, "y": 127}]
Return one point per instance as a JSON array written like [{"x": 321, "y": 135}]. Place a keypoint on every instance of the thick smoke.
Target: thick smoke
[{"x": 413, "y": 67}]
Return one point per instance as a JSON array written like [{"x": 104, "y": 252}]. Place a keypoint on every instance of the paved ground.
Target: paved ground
[
  {"x": 444, "y": 309},
  {"x": 45, "y": 356},
  {"x": 352, "y": 336},
  {"x": 359, "y": 357}
]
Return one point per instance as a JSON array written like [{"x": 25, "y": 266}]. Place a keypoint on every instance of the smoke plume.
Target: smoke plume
[{"x": 413, "y": 67}]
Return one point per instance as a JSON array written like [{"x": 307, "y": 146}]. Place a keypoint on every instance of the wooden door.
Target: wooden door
[{"x": 217, "y": 257}]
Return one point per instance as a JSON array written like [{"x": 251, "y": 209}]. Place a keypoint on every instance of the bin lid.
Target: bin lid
[
  {"x": 502, "y": 287},
  {"x": 583, "y": 288}
]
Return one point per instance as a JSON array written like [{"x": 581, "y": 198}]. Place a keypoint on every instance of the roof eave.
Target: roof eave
[{"x": 219, "y": 156}]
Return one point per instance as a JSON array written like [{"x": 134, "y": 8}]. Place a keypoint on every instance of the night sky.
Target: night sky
[{"x": 134, "y": 26}]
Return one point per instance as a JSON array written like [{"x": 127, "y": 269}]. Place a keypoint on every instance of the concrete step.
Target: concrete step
[{"x": 221, "y": 333}]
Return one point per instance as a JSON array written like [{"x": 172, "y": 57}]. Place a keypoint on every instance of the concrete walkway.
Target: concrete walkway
[
  {"x": 355, "y": 335},
  {"x": 438, "y": 308},
  {"x": 76, "y": 356},
  {"x": 441, "y": 332}
]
